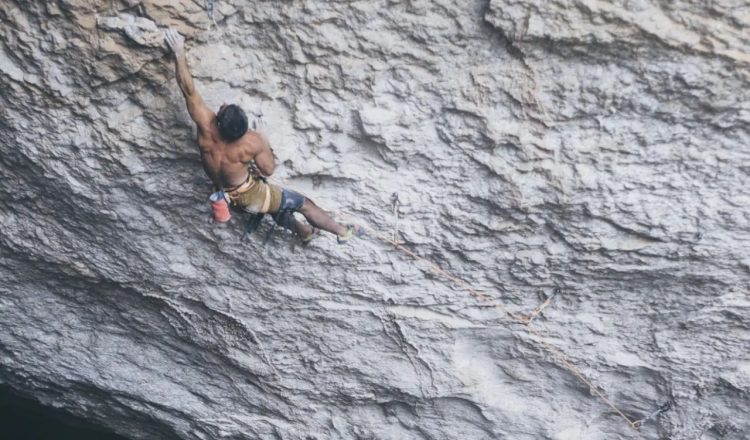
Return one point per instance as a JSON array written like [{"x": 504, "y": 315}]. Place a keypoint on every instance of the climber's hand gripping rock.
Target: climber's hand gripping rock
[{"x": 175, "y": 41}]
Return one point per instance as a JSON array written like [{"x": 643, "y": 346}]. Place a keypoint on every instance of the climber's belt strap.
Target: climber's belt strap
[
  {"x": 243, "y": 187},
  {"x": 267, "y": 201}
]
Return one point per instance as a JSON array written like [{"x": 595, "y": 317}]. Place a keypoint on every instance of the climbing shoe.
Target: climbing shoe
[
  {"x": 306, "y": 240},
  {"x": 351, "y": 231}
]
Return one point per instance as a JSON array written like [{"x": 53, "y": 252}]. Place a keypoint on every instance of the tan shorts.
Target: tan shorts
[{"x": 261, "y": 197}]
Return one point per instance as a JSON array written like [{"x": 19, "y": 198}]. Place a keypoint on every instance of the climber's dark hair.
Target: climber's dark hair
[{"x": 232, "y": 122}]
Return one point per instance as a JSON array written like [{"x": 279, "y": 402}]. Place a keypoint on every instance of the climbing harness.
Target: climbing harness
[
  {"x": 241, "y": 188},
  {"x": 229, "y": 195}
]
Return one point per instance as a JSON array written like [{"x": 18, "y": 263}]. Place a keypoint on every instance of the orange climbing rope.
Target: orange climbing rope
[
  {"x": 562, "y": 357},
  {"x": 523, "y": 320}
]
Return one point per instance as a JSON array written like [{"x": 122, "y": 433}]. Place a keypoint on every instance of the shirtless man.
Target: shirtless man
[{"x": 228, "y": 148}]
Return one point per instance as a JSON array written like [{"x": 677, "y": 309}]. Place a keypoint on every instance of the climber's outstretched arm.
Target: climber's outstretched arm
[{"x": 199, "y": 111}]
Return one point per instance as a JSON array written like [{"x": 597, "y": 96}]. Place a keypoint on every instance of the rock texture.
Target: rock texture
[{"x": 595, "y": 149}]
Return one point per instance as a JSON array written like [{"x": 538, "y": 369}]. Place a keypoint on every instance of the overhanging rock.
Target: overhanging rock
[{"x": 594, "y": 149}]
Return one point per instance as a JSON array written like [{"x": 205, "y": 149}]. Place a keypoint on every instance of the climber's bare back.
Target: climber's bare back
[{"x": 226, "y": 163}]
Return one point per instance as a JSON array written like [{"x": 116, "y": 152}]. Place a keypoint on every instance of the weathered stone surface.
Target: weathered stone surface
[{"x": 597, "y": 148}]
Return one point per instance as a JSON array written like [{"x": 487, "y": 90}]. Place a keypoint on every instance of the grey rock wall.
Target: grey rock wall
[{"x": 594, "y": 149}]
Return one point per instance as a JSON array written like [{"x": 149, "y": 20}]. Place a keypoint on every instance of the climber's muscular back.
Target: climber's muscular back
[{"x": 226, "y": 163}]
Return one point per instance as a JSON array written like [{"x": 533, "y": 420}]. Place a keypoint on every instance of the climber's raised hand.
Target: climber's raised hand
[
  {"x": 199, "y": 111},
  {"x": 175, "y": 41}
]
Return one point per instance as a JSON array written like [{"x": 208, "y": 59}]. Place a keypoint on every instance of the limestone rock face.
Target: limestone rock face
[{"x": 589, "y": 151}]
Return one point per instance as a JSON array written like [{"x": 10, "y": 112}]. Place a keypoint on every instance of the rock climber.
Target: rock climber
[{"x": 229, "y": 151}]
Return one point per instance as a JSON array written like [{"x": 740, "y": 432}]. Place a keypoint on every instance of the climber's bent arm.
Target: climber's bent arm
[
  {"x": 264, "y": 161},
  {"x": 259, "y": 151}
]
